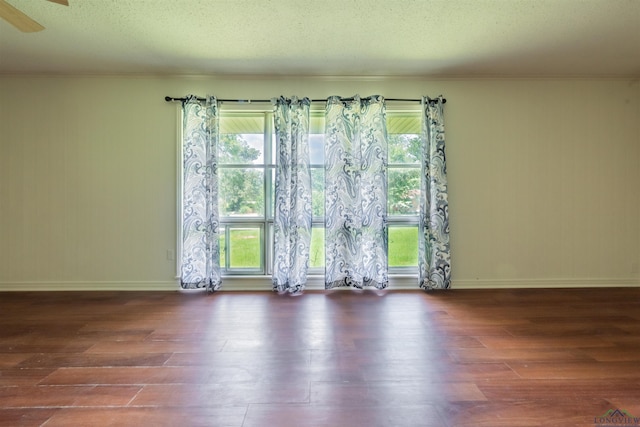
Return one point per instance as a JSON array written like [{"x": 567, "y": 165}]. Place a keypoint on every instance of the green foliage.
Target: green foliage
[
  {"x": 404, "y": 191},
  {"x": 242, "y": 192},
  {"x": 245, "y": 247},
  {"x": 232, "y": 148},
  {"x": 405, "y": 148},
  {"x": 316, "y": 255},
  {"x": 404, "y": 183},
  {"x": 240, "y": 189},
  {"x": 403, "y": 246},
  {"x": 244, "y": 250}
]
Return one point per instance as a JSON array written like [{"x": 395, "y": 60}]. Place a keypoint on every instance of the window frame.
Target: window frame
[{"x": 265, "y": 222}]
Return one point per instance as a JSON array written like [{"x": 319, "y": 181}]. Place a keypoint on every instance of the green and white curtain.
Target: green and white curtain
[
  {"x": 356, "y": 193},
  {"x": 200, "y": 249},
  {"x": 292, "y": 204},
  {"x": 434, "y": 255}
]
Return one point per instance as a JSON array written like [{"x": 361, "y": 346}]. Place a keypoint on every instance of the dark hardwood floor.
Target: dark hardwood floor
[{"x": 493, "y": 358}]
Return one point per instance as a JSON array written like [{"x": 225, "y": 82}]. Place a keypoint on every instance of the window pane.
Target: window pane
[
  {"x": 317, "y": 192},
  {"x": 316, "y": 257},
  {"x": 405, "y": 148},
  {"x": 316, "y": 149},
  {"x": 403, "y": 246},
  {"x": 404, "y": 191},
  {"x": 241, "y": 192},
  {"x": 246, "y": 148},
  {"x": 244, "y": 247}
]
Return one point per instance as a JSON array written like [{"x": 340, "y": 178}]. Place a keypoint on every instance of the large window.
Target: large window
[{"x": 246, "y": 171}]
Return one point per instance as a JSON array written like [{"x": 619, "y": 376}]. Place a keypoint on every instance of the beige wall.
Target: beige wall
[{"x": 544, "y": 176}]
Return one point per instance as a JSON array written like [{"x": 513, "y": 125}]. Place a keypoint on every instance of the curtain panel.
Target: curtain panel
[
  {"x": 356, "y": 193},
  {"x": 434, "y": 254},
  {"x": 200, "y": 250},
  {"x": 292, "y": 204}
]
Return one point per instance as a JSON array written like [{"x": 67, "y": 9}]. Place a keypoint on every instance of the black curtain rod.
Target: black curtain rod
[{"x": 256, "y": 101}]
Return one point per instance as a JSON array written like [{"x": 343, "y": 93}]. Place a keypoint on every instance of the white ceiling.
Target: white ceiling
[{"x": 546, "y": 38}]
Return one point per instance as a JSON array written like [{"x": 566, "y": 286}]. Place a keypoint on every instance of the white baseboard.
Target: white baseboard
[
  {"x": 407, "y": 282},
  {"x": 544, "y": 283},
  {"x": 88, "y": 286},
  {"x": 263, "y": 283}
]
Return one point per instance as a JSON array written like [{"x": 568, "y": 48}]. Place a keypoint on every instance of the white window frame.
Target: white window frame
[{"x": 265, "y": 222}]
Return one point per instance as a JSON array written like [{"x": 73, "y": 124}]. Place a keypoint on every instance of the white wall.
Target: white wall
[{"x": 544, "y": 176}]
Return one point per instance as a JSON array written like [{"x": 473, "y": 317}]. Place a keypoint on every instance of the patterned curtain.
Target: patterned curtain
[
  {"x": 200, "y": 252},
  {"x": 292, "y": 215},
  {"x": 434, "y": 255},
  {"x": 356, "y": 193}
]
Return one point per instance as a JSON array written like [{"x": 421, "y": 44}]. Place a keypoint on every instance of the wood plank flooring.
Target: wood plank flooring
[{"x": 547, "y": 357}]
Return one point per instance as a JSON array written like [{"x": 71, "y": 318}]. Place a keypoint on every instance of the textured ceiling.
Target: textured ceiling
[{"x": 328, "y": 37}]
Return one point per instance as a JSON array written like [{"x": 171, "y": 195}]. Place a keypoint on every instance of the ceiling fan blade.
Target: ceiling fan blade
[
  {"x": 62, "y": 2},
  {"x": 18, "y": 19}
]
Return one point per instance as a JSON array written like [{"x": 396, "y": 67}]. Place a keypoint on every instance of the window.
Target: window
[
  {"x": 245, "y": 172},
  {"x": 246, "y": 157},
  {"x": 403, "y": 193}
]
